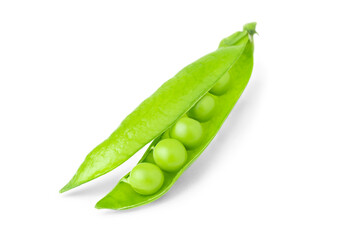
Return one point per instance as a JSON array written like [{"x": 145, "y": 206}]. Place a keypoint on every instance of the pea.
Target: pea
[
  {"x": 146, "y": 178},
  {"x": 222, "y": 85},
  {"x": 188, "y": 131},
  {"x": 203, "y": 109},
  {"x": 170, "y": 155}
]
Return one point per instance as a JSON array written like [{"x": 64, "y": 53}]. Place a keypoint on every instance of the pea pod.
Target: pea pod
[
  {"x": 123, "y": 196},
  {"x": 158, "y": 112}
]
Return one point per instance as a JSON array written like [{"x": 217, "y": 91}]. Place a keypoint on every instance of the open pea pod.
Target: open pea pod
[
  {"x": 161, "y": 110},
  {"x": 123, "y": 196}
]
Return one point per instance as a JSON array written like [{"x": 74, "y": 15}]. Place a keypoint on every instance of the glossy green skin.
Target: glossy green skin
[
  {"x": 204, "y": 109},
  {"x": 170, "y": 155},
  {"x": 188, "y": 131},
  {"x": 146, "y": 178},
  {"x": 123, "y": 196},
  {"x": 156, "y": 114},
  {"x": 221, "y": 86}
]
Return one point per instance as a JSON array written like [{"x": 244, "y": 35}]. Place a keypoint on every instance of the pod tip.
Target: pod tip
[
  {"x": 103, "y": 204},
  {"x": 98, "y": 206},
  {"x": 68, "y": 186},
  {"x": 109, "y": 202},
  {"x": 65, "y": 188}
]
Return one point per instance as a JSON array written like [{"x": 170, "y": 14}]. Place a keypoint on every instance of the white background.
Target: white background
[{"x": 285, "y": 164}]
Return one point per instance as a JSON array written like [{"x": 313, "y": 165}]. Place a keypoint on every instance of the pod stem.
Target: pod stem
[{"x": 250, "y": 28}]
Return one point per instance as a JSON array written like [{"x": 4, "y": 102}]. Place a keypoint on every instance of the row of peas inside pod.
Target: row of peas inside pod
[{"x": 170, "y": 154}]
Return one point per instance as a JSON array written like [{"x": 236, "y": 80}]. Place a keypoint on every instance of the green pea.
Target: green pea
[
  {"x": 146, "y": 178},
  {"x": 203, "y": 109},
  {"x": 222, "y": 85},
  {"x": 188, "y": 131},
  {"x": 170, "y": 155}
]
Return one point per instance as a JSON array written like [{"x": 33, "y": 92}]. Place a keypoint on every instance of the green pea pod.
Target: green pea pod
[
  {"x": 158, "y": 112},
  {"x": 241, "y": 44}
]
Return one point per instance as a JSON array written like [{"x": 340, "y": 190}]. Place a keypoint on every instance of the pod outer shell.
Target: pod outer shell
[{"x": 123, "y": 197}]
